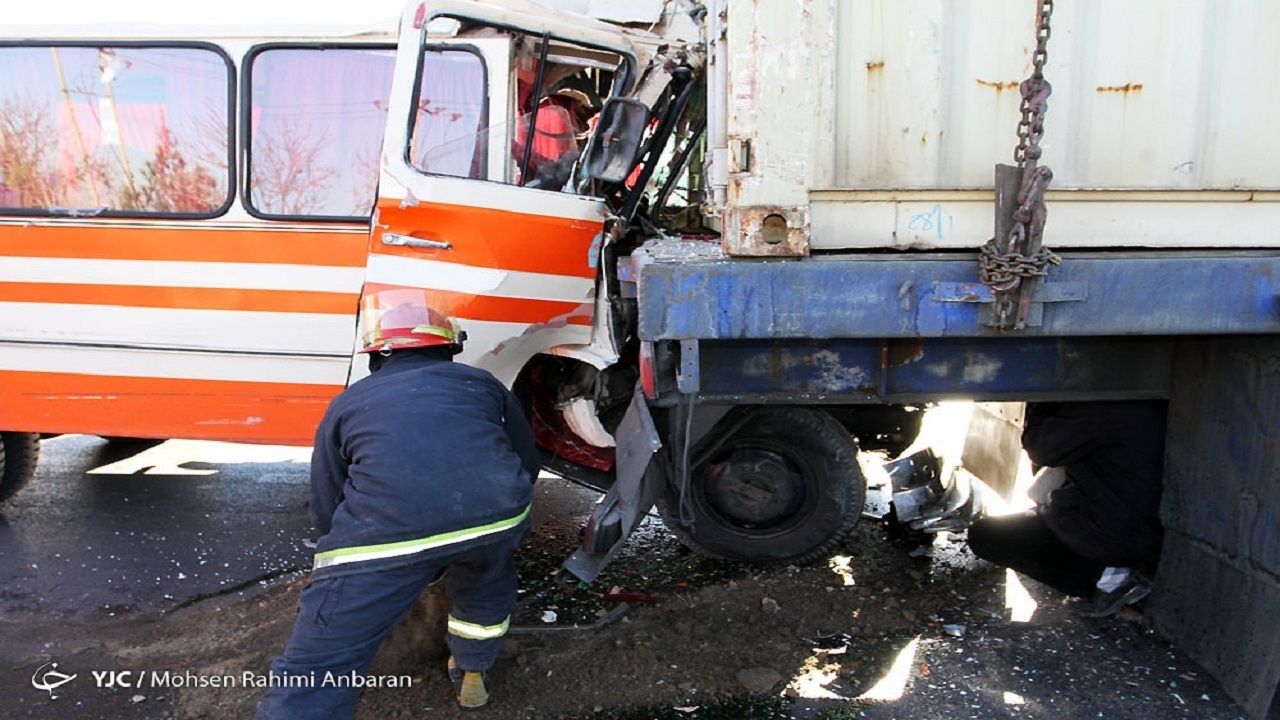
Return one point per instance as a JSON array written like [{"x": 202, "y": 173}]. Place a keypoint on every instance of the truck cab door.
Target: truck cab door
[{"x": 493, "y": 228}]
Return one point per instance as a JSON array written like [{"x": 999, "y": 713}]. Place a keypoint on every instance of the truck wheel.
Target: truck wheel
[
  {"x": 783, "y": 488},
  {"x": 17, "y": 461}
]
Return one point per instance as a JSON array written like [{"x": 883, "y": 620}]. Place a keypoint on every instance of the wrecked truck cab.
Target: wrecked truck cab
[
  {"x": 477, "y": 203},
  {"x": 529, "y": 156},
  {"x": 484, "y": 205}
]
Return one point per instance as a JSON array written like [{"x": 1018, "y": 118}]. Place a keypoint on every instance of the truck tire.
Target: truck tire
[
  {"x": 18, "y": 455},
  {"x": 785, "y": 487}
]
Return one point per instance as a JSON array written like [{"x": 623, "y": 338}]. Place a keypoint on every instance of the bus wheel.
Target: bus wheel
[
  {"x": 18, "y": 455},
  {"x": 785, "y": 487}
]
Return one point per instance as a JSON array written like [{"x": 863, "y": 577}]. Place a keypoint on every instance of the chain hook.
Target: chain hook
[{"x": 1004, "y": 269}]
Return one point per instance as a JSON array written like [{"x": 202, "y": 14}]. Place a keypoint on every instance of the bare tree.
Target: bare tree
[
  {"x": 366, "y": 169},
  {"x": 287, "y": 177},
  {"x": 28, "y": 146},
  {"x": 173, "y": 183}
]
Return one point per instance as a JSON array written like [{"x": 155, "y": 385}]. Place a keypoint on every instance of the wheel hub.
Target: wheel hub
[{"x": 755, "y": 487}]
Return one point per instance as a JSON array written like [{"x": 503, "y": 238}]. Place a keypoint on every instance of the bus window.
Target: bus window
[
  {"x": 315, "y": 130},
  {"x": 102, "y": 130}
]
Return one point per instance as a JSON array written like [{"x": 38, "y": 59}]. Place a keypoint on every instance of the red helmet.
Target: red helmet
[{"x": 407, "y": 325}]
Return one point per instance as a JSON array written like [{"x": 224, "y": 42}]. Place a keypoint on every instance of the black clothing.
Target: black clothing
[
  {"x": 1113, "y": 454},
  {"x": 419, "y": 450},
  {"x": 1025, "y": 543}
]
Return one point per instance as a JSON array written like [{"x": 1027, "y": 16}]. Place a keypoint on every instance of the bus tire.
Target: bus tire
[
  {"x": 18, "y": 460},
  {"x": 785, "y": 487}
]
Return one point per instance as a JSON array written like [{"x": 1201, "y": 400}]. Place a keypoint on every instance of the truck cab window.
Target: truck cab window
[
  {"x": 102, "y": 130},
  {"x": 316, "y": 123},
  {"x": 535, "y": 135},
  {"x": 560, "y": 105},
  {"x": 451, "y": 118}
]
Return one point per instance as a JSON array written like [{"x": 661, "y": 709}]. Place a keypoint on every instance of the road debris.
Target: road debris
[{"x": 711, "y": 629}]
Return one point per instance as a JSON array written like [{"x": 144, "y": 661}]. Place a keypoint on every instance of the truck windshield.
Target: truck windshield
[{"x": 536, "y": 141}]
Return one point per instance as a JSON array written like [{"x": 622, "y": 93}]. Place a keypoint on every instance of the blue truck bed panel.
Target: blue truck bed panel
[
  {"x": 937, "y": 295},
  {"x": 846, "y": 371}
]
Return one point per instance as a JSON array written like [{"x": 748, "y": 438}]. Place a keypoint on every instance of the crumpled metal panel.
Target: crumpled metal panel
[
  {"x": 622, "y": 11},
  {"x": 916, "y": 484},
  {"x": 926, "y": 501},
  {"x": 636, "y": 490}
]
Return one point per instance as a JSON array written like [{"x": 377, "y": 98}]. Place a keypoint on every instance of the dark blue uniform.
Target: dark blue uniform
[{"x": 424, "y": 466}]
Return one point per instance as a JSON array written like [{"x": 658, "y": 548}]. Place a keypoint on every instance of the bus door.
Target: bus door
[{"x": 481, "y": 208}]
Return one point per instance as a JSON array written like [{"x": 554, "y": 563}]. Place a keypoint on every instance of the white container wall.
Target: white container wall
[
  {"x": 1147, "y": 94},
  {"x": 1161, "y": 128}
]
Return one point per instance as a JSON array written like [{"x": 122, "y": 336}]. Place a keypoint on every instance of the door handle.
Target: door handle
[{"x": 406, "y": 241}]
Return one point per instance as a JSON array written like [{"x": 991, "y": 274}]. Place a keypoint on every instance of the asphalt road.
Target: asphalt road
[
  {"x": 109, "y": 527},
  {"x": 130, "y": 532}
]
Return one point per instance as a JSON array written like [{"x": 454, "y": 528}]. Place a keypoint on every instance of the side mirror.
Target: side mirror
[{"x": 617, "y": 141}]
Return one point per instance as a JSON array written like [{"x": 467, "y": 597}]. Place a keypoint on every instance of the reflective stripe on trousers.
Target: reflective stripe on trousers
[
  {"x": 341, "y": 556},
  {"x": 472, "y": 631}
]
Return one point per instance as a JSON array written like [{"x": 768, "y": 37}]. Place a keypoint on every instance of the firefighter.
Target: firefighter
[{"x": 422, "y": 470}]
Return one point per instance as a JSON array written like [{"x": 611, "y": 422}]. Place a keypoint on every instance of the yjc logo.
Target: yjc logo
[
  {"x": 114, "y": 678},
  {"x": 47, "y": 677}
]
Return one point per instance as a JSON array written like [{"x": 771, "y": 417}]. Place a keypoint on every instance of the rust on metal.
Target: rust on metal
[
  {"x": 997, "y": 85},
  {"x": 767, "y": 230},
  {"x": 901, "y": 352},
  {"x": 1125, "y": 88},
  {"x": 777, "y": 364},
  {"x": 1004, "y": 262},
  {"x": 875, "y": 65}
]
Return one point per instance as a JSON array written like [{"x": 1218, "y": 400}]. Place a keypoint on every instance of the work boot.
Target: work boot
[
  {"x": 1103, "y": 603},
  {"x": 469, "y": 687}
]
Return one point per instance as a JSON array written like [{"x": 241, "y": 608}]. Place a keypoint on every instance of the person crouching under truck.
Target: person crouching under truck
[
  {"x": 422, "y": 470},
  {"x": 1106, "y": 460}
]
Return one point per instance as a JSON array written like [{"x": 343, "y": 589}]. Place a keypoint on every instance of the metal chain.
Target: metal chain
[
  {"x": 997, "y": 269},
  {"x": 1005, "y": 269},
  {"x": 1035, "y": 91}
]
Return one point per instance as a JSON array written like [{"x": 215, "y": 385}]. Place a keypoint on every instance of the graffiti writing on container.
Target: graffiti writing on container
[{"x": 936, "y": 220}]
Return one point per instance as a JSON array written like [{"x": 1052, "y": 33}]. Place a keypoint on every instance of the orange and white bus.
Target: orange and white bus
[
  {"x": 183, "y": 221},
  {"x": 185, "y": 206}
]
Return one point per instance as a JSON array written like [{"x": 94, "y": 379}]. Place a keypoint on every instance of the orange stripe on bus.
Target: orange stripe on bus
[
  {"x": 295, "y": 301},
  {"x": 185, "y": 244},
  {"x": 255, "y": 412},
  {"x": 501, "y": 309},
  {"x": 483, "y": 237}
]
